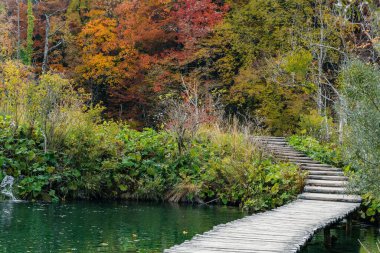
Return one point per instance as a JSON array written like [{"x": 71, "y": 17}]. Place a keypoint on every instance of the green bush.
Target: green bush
[
  {"x": 110, "y": 160},
  {"x": 217, "y": 167},
  {"x": 324, "y": 152},
  {"x": 313, "y": 124},
  {"x": 361, "y": 93},
  {"x": 370, "y": 208}
]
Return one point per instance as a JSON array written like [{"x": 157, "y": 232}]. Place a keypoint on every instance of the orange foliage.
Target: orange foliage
[{"x": 105, "y": 58}]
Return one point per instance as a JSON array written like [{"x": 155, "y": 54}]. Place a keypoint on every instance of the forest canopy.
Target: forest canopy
[
  {"x": 306, "y": 67},
  {"x": 276, "y": 62}
]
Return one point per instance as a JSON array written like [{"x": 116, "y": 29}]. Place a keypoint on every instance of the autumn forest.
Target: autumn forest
[
  {"x": 131, "y": 55},
  {"x": 158, "y": 99}
]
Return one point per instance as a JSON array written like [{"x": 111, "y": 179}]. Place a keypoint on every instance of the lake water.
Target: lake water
[
  {"x": 135, "y": 227},
  {"x": 347, "y": 242},
  {"x": 104, "y": 227}
]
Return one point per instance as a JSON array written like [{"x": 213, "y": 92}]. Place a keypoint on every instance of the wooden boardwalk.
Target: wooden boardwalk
[{"x": 286, "y": 228}]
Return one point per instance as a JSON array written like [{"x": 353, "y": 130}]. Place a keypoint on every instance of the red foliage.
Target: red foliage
[
  {"x": 147, "y": 25},
  {"x": 195, "y": 20},
  {"x": 134, "y": 48},
  {"x": 164, "y": 33}
]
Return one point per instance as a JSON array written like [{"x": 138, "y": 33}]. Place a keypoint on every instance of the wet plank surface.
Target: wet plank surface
[{"x": 284, "y": 229}]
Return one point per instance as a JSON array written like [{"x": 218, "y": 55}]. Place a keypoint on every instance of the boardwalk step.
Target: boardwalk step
[
  {"x": 268, "y": 137},
  {"x": 318, "y": 165},
  {"x": 300, "y": 160},
  {"x": 326, "y": 183},
  {"x": 285, "y": 149},
  {"x": 275, "y": 143},
  {"x": 330, "y": 197},
  {"x": 269, "y": 140},
  {"x": 279, "y": 144},
  {"x": 285, "y": 152},
  {"x": 330, "y": 178},
  {"x": 313, "y": 163},
  {"x": 325, "y": 172},
  {"x": 321, "y": 189},
  {"x": 332, "y": 169},
  {"x": 289, "y": 155},
  {"x": 280, "y": 147}
]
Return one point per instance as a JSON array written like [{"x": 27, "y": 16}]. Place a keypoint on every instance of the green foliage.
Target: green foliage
[
  {"x": 234, "y": 171},
  {"x": 22, "y": 156},
  {"x": 264, "y": 27},
  {"x": 13, "y": 90},
  {"x": 312, "y": 124},
  {"x": 110, "y": 160},
  {"x": 262, "y": 61},
  {"x": 49, "y": 104},
  {"x": 28, "y": 54},
  {"x": 323, "y": 152},
  {"x": 80, "y": 170},
  {"x": 361, "y": 90},
  {"x": 370, "y": 207},
  {"x": 298, "y": 64},
  {"x": 222, "y": 167}
]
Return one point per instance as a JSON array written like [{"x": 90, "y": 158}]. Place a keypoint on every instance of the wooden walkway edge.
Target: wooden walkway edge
[{"x": 287, "y": 228}]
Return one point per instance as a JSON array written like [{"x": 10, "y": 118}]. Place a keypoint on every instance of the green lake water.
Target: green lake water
[
  {"x": 135, "y": 227},
  {"x": 104, "y": 227},
  {"x": 347, "y": 242}
]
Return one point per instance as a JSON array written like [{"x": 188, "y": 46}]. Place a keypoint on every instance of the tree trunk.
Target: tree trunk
[
  {"x": 320, "y": 62},
  {"x": 18, "y": 30},
  {"x": 342, "y": 120},
  {"x": 29, "y": 33},
  {"x": 321, "y": 99},
  {"x": 46, "y": 49}
]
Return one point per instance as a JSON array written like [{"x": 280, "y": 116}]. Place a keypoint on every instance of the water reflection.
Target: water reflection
[
  {"x": 346, "y": 241},
  {"x": 104, "y": 227},
  {"x": 6, "y": 212}
]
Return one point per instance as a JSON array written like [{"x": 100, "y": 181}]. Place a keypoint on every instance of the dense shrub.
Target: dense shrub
[
  {"x": 110, "y": 160},
  {"x": 323, "y": 152},
  {"x": 361, "y": 92},
  {"x": 362, "y": 143},
  {"x": 313, "y": 124},
  {"x": 370, "y": 208}
]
